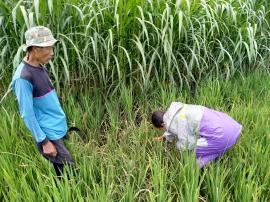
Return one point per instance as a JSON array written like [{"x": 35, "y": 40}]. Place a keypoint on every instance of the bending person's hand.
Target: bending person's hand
[{"x": 159, "y": 139}]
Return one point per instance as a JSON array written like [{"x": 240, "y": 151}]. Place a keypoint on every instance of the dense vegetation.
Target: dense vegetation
[{"x": 116, "y": 61}]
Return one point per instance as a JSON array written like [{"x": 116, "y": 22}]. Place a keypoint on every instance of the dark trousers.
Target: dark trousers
[
  {"x": 62, "y": 158},
  {"x": 58, "y": 169}
]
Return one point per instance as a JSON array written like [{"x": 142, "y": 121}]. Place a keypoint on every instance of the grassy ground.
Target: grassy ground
[
  {"x": 110, "y": 42},
  {"x": 118, "y": 160},
  {"x": 112, "y": 58}
]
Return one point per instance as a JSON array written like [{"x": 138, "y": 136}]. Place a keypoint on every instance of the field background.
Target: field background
[{"x": 116, "y": 61}]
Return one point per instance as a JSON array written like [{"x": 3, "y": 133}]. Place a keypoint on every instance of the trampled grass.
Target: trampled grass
[{"x": 118, "y": 160}]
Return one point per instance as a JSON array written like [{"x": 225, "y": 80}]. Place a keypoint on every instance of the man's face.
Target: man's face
[{"x": 43, "y": 54}]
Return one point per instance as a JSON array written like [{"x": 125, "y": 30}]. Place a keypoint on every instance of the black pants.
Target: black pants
[
  {"x": 58, "y": 169},
  {"x": 62, "y": 158}
]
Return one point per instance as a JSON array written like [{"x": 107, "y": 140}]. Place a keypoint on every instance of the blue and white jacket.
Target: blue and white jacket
[{"x": 38, "y": 103}]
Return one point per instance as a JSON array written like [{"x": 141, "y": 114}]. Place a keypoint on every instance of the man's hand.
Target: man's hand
[
  {"x": 159, "y": 139},
  {"x": 49, "y": 149}
]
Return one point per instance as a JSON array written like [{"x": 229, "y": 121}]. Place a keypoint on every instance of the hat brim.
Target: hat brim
[{"x": 44, "y": 44}]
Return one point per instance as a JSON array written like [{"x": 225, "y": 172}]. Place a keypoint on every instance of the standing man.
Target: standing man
[{"x": 38, "y": 103}]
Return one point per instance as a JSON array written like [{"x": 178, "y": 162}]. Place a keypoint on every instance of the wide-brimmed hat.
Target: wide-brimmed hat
[{"x": 38, "y": 36}]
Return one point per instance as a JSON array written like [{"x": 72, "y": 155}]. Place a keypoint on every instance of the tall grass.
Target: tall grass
[
  {"x": 108, "y": 43},
  {"x": 119, "y": 161}
]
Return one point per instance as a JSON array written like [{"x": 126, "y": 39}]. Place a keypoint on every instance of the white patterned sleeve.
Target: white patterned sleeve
[{"x": 169, "y": 136}]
